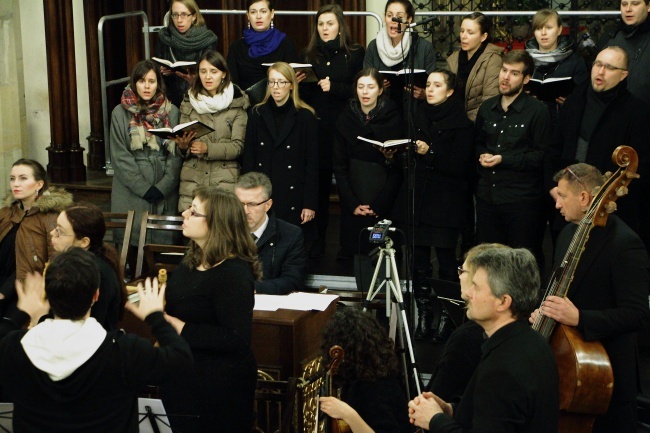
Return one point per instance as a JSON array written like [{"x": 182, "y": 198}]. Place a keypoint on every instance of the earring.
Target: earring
[
  {"x": 38, "y": 191},
  {"x": 272, "y": 23},
  {"x": 249, "y": 25}
]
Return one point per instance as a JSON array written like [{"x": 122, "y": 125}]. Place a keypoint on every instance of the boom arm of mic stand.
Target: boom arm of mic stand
[{"x": 421, "y": 23}]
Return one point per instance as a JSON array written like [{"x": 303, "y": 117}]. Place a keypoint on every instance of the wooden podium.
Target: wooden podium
[{"x": 284, "y": 339}]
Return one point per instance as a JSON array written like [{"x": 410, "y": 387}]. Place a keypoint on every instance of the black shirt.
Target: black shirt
[{"x": 519, "y": 135}]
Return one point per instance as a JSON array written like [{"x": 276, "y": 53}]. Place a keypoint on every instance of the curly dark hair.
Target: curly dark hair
[{"x": 369, "y": 352}]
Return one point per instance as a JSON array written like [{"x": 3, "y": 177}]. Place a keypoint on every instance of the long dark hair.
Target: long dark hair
[
  {"x": 345, "y": 40},
  {"x": 87, "y": 221},
  {"x": 228, "y": 232},
  {"x": 369, "y": 352},
  {"x": 218, "y": 61}
]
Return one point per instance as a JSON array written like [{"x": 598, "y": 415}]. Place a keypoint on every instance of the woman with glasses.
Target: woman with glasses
[
  {"x": 146, "y": 166},
  {"x": 212, "y": 159},
  {"x": 209, "y": 301},
  {"x": 554, "y": 55},
  {"x": 83, "y": 225},
  {"x": 393, "y": 48},
  {"x": 261, "y": 43},
  {"x": 336, "y": 59},
  {"x": 282, "y": 142},
  {"x": 28, "y": 216},
  {"x": 477, "y": 63},
  {"x": 185, "y": 38},
  {"x": 444, "y": 158},
  {"x": 367, "y": 176}
]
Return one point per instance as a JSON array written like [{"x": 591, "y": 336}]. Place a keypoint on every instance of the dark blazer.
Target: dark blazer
[
  {"x": 514, "y": 388},
  {"x": 288, "y": 157},
  {"x": 610, "y": 288},
  {"x": 281, "y": 252},
  {"x": 625, "y": 121}
]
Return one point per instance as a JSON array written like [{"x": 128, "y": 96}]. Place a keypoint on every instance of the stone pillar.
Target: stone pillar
[{"x": 65, "y": 153}]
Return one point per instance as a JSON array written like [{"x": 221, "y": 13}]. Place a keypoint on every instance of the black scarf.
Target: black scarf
[
  {"x": 597, "y": 103},
  {"x": 465, "y": 66},
  {"x": 447, "y": 115},
  {"x": 329, "y": 48}
]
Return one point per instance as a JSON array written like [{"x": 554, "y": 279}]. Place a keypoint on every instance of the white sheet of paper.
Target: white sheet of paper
[
  {"x": 295, "y": 301},
  {"x": 158, "y": 410}
]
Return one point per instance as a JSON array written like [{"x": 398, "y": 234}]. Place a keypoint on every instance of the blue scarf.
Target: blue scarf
[{"x": 262, "y": 43}]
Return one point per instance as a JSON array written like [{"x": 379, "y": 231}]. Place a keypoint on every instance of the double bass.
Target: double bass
[
  {"x": 586, "y": 377},
  {"x": 328, "y": 390}
]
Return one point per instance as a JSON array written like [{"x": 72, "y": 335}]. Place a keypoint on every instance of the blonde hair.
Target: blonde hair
[{"x": 290, "y": 75}]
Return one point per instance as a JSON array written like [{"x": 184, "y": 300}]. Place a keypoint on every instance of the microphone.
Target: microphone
[{"x": 399, "y": 20}]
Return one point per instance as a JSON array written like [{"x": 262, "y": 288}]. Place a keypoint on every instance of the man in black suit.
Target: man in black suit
[
  {"x": 515, "y": 386},
  {"x": 608, "y": 297},
  {"x": 280, "y": 245}
]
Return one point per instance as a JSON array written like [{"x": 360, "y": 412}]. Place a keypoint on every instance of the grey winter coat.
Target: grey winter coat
[
  {"x": 138, "y": 170},
  {"x": 220, "y": 166},
  {"x": 483, "y": 80}
]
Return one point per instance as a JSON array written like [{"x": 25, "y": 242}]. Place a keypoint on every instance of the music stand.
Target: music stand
[
  {"x": 6, "y": 417},
  {"x": 152, "y": 416},
  {"x": 448, "y": 293}
]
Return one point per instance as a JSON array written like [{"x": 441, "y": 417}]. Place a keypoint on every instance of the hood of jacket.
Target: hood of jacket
[{"x": 54, "y": 199}]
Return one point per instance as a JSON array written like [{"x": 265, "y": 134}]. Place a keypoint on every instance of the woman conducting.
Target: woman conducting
[{"x": 210, "y": 304}]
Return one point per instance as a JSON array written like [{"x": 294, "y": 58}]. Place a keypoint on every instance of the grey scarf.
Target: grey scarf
[{"x": 196, "y": 38}]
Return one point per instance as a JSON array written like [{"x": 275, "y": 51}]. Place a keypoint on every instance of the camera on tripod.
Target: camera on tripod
[{"x": 379, "y": 231}]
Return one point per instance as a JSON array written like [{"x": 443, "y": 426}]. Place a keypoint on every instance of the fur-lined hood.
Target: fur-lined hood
[{"x": 52, "y": 200}]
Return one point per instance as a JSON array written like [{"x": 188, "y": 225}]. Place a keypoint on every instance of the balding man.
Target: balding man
[{"x": 596, "y": 118}]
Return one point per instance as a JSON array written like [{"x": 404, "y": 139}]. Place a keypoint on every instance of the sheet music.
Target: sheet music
[
  {"x": 158, "y": 410},
  {"x": 6, "y": 417},
  {"x": 295, "y": 301}
]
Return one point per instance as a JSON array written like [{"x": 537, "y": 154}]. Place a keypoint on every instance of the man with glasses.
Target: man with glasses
[
  {"x": 597, "y": 117},
  {"x": 633, "y": 35},
  {"x": 280, "y": 245},
  {"x": 608, "y": 297}
]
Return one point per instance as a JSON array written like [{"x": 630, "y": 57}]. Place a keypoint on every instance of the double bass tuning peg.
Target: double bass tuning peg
[
  {"x": 622, "y": 191},
  {"x": 610, "y": 207}
]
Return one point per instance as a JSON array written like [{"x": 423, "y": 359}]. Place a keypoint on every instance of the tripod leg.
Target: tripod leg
[{"x": 371, "y": 294}]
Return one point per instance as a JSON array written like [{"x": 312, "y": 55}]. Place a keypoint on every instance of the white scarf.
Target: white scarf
[
  {"x": 204, "y": 104},
  {"x": 389, "y": 54}
]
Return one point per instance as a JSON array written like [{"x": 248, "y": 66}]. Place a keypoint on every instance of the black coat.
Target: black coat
[
  {"x": 245, "y": 71},
  {"x": 288, "y": 157},
  {"x": 352, "y": 158},
  {"x": 281, "y": 252},
  {"x": 625, "y": 121},
  {"x": 610, "y": 288},
  {"x": 442, "y": 175},
  {"x": 341, "y": 68}
]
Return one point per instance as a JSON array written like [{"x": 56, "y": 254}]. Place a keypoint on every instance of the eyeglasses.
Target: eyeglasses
[
  {"x": 252, "y": 205},
  {"x": 182, "y": 15},
  {"x": 575, "y": 176},
  {"x": 598, "y": 64},
  {"x": 194, "y": 213},
  {"x": 58, "y": 234},
  {"x": 280, "y": 84},
  {"x": 461, "y": 271}
]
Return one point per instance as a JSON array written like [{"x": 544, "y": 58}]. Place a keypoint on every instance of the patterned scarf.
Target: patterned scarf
[
  {"x": 391, "y": 55},
  {"x": 155, "y": 115},
  {"x": 204, "y": 104},
  {"x": 562, "y": 52},
  {"x": 262, "y": 43}
]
